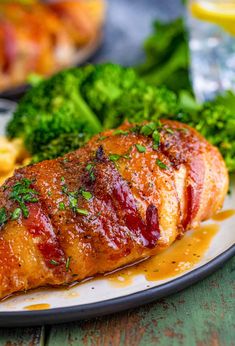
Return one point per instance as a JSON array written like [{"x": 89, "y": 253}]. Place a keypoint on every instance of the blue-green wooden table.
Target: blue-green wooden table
[{"x": 202, "y": 315}]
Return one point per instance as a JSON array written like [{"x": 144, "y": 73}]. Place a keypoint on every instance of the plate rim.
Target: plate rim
[{"x": 114, "y": 305}]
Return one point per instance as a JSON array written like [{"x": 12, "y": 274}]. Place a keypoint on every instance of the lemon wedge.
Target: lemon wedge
[{"x": 218, "y": 12}]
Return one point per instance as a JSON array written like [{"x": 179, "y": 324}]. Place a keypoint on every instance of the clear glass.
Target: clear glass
[{"x": 212, "y": 50}]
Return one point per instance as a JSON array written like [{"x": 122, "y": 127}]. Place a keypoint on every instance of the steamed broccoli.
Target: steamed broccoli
[
  {"x": 143, "y": 103},
  {"x": 60, "y": 146},
  {"x": 106, "y": 85},
  {"x": 54, "y": 114},
  {"x": 167, "y": 56},
  {"x": 86, "y": 99},
  {"x": 59, "y": 96},
  {"x": 50, "y": 126},
  {"x": 216, "y": 122},
  {"x": 116, "y": 93}
]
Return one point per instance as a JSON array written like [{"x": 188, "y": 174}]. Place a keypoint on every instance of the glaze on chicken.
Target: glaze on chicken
[{"x": 117, "y": 200}]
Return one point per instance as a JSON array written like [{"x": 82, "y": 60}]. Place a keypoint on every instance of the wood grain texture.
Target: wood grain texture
[
  {"x": 22, "y": 336},
  {"x": 202, "y": 315}
]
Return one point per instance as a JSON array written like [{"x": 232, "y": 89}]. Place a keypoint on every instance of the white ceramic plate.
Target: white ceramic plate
[{"x": 97, "y": 297}]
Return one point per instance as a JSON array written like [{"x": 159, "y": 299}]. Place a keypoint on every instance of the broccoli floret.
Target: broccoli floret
[
  {"x": 60, "y": 146},
  {"x": 105, "y": 86},
  {"x": 216, "y": 123},
  {"x": 116, "y": 93},
  {"x": 145, "y": 103},
  {"x": 50, "y": 98},
  {"x": 167, "y": 56},
  {"x": 86, "y": 99}
]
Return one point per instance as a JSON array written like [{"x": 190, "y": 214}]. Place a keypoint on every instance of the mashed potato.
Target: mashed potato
[{"x": 12, "y": 155}]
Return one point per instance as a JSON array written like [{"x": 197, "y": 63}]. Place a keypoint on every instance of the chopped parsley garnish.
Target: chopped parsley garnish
[
  {"x": 86, "y": 194},
  {"x": 16, "y": 214},
  {"x": 67, "y": 263},
  {"x": 156, "y": 139},
  {"x": 73, "y": 200},
  {"x": 49, "y": 193},
  {"x": 82, "y": 211},
  {"x": 62, "y": 179},
  {"x": 151, "y": 130},
  {"x": 161, "y": 164},
  {"x": 61, "y": 206},
  {"x": 148, "y": 129},
  {"x": 64, "y": 189},
  {"x": 114, "y": 157},
  {"x": 22, "y": 194},
  {"x": 101, "y": 138},
  {"x": 183, "y": 129},
  {"x": 89, "y": 168},
  {"x": 140, "y": 148},
  {"x": 3, "y": 216},
  {"x": 120, "y": 132},
  {"x": 54, "y": 262},
  {"x": 169, "y": 130},
  {"x": 126, "y": 156}
]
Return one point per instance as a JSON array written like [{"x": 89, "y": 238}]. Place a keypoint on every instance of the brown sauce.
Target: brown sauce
[
  {"x": 183, "y": 255},
  {"x": 37, "y": 307},
  {"x": 223, "y": 215}
]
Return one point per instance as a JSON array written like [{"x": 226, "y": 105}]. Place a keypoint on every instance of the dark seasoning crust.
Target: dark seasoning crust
[{"x": 84, "y": 199}]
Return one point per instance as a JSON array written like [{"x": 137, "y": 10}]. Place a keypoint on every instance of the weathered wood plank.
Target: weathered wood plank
[
  {"x": 200, "y": 315},
  {"x": 22, "y": 336}
]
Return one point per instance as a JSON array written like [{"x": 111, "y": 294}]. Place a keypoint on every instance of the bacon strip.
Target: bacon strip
[{"x": 113, "y": 213}]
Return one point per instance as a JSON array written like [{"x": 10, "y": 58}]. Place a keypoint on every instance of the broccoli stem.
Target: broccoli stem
[{"x": 88, "y": 117}]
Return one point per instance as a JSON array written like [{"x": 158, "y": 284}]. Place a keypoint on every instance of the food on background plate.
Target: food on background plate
[
  {"x": 126, "y": 195},
  {"x": 45, "y": 37}
]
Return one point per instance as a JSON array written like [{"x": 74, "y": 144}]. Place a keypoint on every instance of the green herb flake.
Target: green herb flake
[
  {"x": 156, "y": 140},
  {"x": 140, "y": 148},
  {"x": 120, "y": 132},
  {"x": 89, "y": 168},
  {"x": 114, "y": 157},
  {"x": 67, "y": 264},
  {"x": 61, "y": 206},
  {"x": 3, "y": 216},
  {"x": 22, "y": 193},
  {"x": 73, "y": 200},
  {"x": 49, "y": 193},
  {"x": 54, "y": 262},
  {"x": 16, "y": 214},
  {"x": 87, "y": 195},
  {"x": 147, "y": 129},
  {"x": 82, "y": 211},
  {"x": 183, "y": 129},
  {"x": 64, "y": 189},
  {"x": 62, "y": 179},
  {"x": 161, "y": 164},
  {"x": 169, "y": 130},
  {"x": 101, "y": 138}
]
